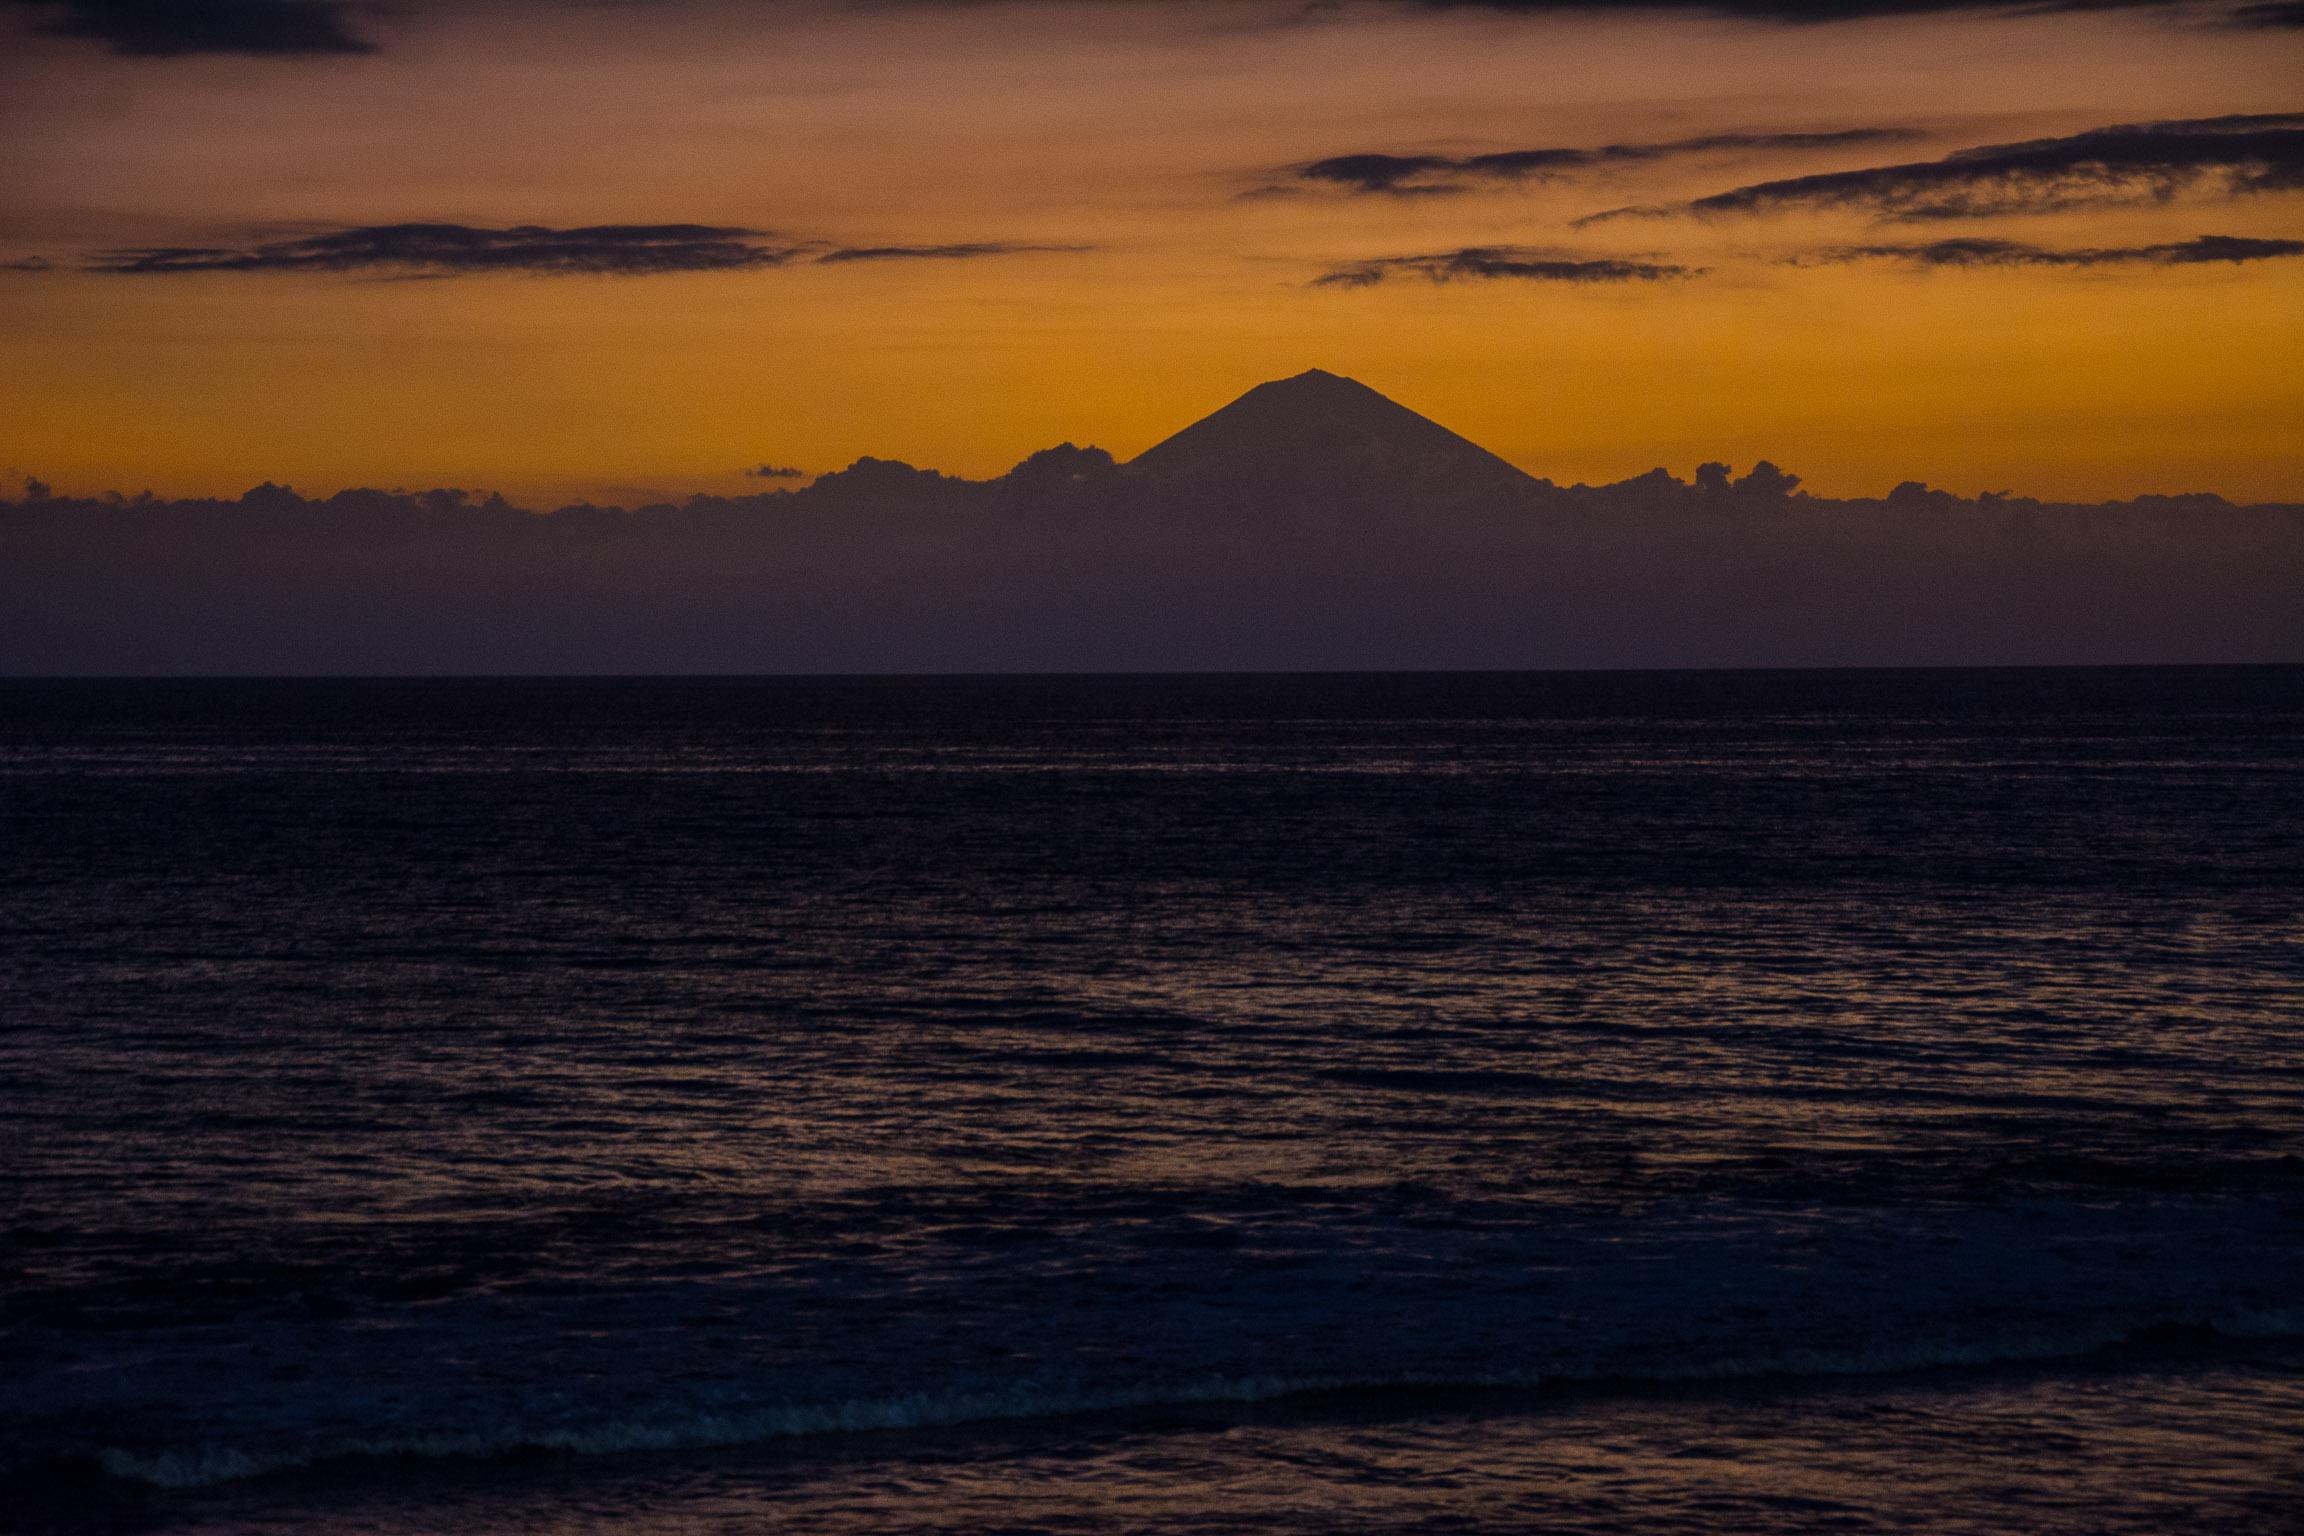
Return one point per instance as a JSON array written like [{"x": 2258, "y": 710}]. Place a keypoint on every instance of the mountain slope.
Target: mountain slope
[{"x": 1319, "y": 429}]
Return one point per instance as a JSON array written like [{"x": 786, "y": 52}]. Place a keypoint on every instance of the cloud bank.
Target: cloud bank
[{"x": 1071, "y": 563}]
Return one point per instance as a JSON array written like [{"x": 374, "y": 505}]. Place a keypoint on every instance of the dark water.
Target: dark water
[{"x": 1408, "y": 1102}]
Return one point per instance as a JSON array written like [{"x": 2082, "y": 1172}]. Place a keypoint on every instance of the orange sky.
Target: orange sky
[{"x": 1131, "y": 129}]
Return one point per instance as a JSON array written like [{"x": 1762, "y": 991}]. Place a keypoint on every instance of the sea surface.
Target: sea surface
[{"x": 1570, "y": 1102}]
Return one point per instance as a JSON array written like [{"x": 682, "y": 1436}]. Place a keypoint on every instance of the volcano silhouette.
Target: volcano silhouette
[
  {"x": 1319, "y": 429},
  {"x": 1309, "y": 525}
]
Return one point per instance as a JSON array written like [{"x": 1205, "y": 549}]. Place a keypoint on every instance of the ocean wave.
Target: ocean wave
[{"x": 675, "y": 1427}]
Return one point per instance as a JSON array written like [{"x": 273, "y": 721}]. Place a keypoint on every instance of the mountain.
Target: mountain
[
  {"x": 1310, "y": 524},
  {"x": 1321, "y": 431}
]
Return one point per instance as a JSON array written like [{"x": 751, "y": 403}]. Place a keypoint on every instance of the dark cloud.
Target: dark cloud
[
  {"x": 449, "y": 250},
  {"x": 942, "y": 252},
  {"x": 1401, "y": 175},
  {"x": 776, "y": 472},
  {"x": 2129, "y": 163},
  {"x": 454, "y": 250},
  {"x": 173, "y": 28},
  {"x": 2015, "y": 253},
  {"x": 1802, "y": 12},
  {"x": 1423, "y": 175},
  {"x": 1490, "y": 262},
  {"x": 178, "y": 28}
]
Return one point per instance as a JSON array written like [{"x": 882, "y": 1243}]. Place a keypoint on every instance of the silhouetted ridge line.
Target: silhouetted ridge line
[{"x": 1310, "y": 525}]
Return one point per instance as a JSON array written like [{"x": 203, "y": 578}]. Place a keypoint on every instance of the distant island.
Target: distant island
[{"x": 1310, "y": 524}]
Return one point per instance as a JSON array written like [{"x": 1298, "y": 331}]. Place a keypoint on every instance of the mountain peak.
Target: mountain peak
[
  {"x": 1316, "y": 389},
  {"x": 1320, "y": 426}
]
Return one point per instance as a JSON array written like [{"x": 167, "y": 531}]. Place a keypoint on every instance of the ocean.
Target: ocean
[{"x": 1608, "y": 1102}]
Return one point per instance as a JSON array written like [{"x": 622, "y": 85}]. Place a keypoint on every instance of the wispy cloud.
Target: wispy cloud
[
  {"x": 175, "y": 28},
  {"x": 1414, "y": 175},
  {"x": 967, "y": 252},
  {"x": 1502, "y": 262},
  {"x": 776, "y": 472},
  {"x": 449, "y": 250},
  {"x": 456, "y": 250},
  {"x": 2202, "y": 250},
  {"x": 2125, "y": 164}
]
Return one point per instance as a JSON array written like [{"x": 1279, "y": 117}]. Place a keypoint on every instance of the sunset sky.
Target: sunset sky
[{"x": 667, "y": 240}]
